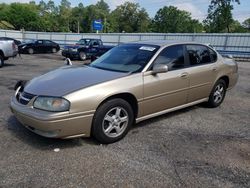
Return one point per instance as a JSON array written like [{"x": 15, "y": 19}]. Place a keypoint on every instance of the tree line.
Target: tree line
[{"x": 128, "y": 17}]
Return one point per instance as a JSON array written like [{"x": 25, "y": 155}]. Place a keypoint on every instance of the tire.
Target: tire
[
  {"x": 217, "y": 94},
  {"x": 1, "y": 61},
  {"x": 112, "y": 121},
  {"x": 82, "y": 56},
  {"x": 31, "y": 51},
  {"x": 54, "y": 50}
]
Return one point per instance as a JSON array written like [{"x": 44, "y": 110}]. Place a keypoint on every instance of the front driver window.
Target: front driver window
[{"x": 173, "y": 56}]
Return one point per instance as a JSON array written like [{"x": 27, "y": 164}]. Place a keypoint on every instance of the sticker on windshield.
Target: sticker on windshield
[{"x": 148, "y": 48}]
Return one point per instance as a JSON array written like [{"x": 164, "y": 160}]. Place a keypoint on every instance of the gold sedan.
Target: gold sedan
[{"x": 130, "y": 83}]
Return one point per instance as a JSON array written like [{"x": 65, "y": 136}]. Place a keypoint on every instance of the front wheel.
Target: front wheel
[
  {"x": 31, "y": 51},
  {"x": 217, "y": 94},
  {"x": 1, "y": 61},
  {"x": 112, "y": 121},
  {"x": 82, "y": 56}
]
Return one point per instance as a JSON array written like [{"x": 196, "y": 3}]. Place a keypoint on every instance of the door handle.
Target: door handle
[
  {"x": 184, "y": 75},
  {"x": 214, "y": 68}
]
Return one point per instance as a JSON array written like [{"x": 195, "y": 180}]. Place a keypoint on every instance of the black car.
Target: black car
[
  {"x": 17, "y": 42},
  {"x": 39, "y": 46}
]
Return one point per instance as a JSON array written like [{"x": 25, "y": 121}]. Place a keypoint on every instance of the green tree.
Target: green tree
[
  {"x": 77, "y": 18},
  {"x": 219, "y": 16},
  {"x": 236, "y": 27},
  {"x": 246, "y": 24},
  {"x": 103, "y": 6},
  {"x": 129, "y": 17},
  {"x": 23, "y": 16},
  {"x": 64, "y": 15},
  {"x": 172, "y": 20}
]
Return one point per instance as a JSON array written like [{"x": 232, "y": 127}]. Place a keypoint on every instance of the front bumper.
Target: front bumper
[
  {"x": 53, "y": 125},
  {"x": 70, "y": 54}
]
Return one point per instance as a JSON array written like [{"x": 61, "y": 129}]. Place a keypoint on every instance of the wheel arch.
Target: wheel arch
[
  {"x": 225, "y": 78},
  {"x": 128, "y": 97}
]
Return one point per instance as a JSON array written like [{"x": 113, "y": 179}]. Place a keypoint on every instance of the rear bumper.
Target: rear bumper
[{"x": 62, "y": 125}]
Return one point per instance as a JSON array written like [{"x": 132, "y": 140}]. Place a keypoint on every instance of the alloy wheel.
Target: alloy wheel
[
  {"x": 115, "y": 122},
  {"x": 218, "y": 93}
]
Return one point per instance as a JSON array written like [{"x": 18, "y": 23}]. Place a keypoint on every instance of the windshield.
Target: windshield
[
  {"x": 126, "y": 58},
  {"x": 83, "y": 42}
]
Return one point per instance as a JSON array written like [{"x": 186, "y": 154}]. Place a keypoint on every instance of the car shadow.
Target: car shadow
[
  {"x": 43, "y": 143},
  {"x": 39, "y": 142},
  {"x": 8, "y": 65},
  {"x": 165, "y": 116}
]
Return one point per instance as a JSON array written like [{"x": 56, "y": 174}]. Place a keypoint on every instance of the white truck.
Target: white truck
[{"x": 7, "y": 49}]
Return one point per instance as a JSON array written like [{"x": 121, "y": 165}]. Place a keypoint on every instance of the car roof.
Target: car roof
[{"x": 164, "y": 42}]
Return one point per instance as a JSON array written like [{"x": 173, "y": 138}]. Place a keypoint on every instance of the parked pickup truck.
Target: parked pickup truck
[
  {"x": 7, "y": 49},
  {"x": 85, "y": 49}
]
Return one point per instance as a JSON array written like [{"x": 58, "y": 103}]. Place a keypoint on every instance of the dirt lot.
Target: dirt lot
[{"x": 194, "y": 147}]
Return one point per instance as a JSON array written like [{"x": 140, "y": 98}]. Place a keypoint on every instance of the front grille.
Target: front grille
[{"x": 24, "y": 98}]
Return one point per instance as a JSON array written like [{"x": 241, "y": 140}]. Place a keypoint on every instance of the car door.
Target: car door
[
  {"x": 166, "y": 90},
  {"x": 48, "y": 45},
  {"x": 39, "y": 46},
  {"x": 95, "y": 45},
  {"x": 202, "y": 71}
]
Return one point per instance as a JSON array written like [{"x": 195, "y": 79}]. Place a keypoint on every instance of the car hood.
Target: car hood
[
  {"x": 25, "y": 44},
  {"x": 68, "y": 79}
]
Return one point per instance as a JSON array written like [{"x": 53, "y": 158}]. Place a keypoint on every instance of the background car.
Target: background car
[
  {"x": 86, "y": 48},
  {"x": 130, "y": 83},
  {"x": 17, "y": 42},
  {"x": 7, "y": 49},
  {"x": 39, "y": 46}
]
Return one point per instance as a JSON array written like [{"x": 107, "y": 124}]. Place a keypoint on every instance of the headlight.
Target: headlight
[
  {"x": 74, "y": 49},
  {"x": 23, "y": 46},
  {"x": 53, "y": 104}
]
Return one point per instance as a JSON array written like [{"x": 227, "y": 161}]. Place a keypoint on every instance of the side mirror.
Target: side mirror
[{"x": 159, "y": 68}]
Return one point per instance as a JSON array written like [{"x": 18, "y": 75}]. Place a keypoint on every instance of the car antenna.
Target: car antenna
[{"x": 68, "y": 61}]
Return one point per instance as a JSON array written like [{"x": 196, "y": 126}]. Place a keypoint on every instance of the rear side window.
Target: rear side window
[
  {"x": 95, "y": 42},
  {"x": 39, "y": 42},
  {"x": 48, "y": 42},
  {"x": 198, "y": 55},
  {"x": 173, "y": 56}
]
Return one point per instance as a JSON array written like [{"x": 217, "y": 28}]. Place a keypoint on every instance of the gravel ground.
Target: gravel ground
[{"x": 193, "y": 147}]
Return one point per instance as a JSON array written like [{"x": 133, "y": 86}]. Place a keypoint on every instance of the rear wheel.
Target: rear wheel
[
  {"x": 1, "y": 61},
  {"x": 218, "y": 94},
  {"x": 82, "y": 56},
  {"x": 31, "y": 51},
  {"x": 112, "y": 121}
]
